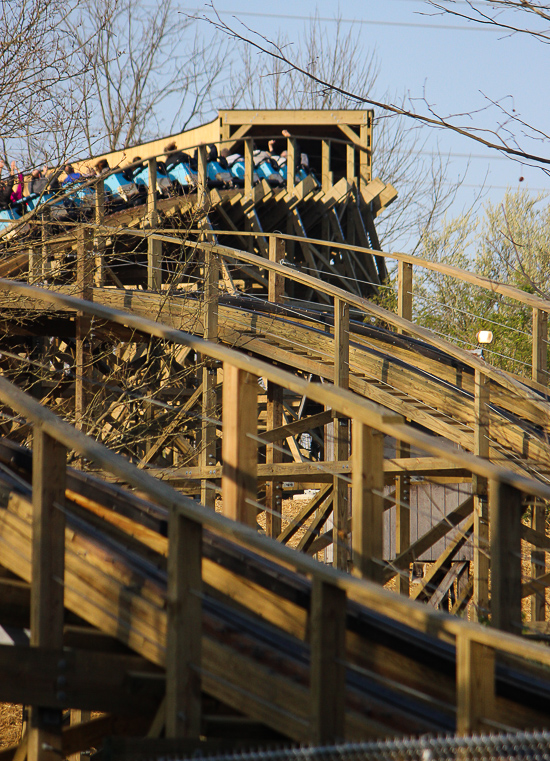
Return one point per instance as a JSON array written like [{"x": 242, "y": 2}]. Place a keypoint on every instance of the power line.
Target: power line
[{"x": 361, "y": 22}]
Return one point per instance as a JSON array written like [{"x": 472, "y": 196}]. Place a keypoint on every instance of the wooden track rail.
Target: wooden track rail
[{"x": 476, "y": 646}]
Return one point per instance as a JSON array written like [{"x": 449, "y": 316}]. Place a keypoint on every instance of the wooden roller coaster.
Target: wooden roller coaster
[{"x": 169, "y": 373}]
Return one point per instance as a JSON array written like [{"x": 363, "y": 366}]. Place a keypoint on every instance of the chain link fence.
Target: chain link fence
[{"x": 528, "y": 746}]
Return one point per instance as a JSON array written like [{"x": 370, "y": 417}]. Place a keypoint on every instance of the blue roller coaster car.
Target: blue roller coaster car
[
  {"x": 164, "y": 183},
  {"x": 217, "y": 176},
  {"x": 266, "y": 171},
  {"x": 237, "y": 172},
  {"x": 121, "y": 191},
  {"x": 183, "y": 174}
]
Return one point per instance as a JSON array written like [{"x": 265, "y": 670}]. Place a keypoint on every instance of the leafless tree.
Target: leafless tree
[
  {"x": 145, "y": 62},
  {"x": 39, "y": 63},
  {"x": 419, "y": 111},
  {"x": 341, "y": 60}
]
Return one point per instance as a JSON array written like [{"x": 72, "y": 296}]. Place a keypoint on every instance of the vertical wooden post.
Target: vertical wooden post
[
  {"x": 540, "y": 347},
  {"x": 350, "y": 163},
  {"x": 367, "y": 536},
  {"x": 505, "y": 516},
  {"x": 273, "y": 455},
  {"x": 209, "y": 375},
  {"x": 152, "y": 213},
  {"x": 240, "y": 451},
  {"x": 365, "y": 154},
  {"x": 341, "y": 435},
  {"x": 405, "y": 291},
  {"x": 45, "y": 249},
  {"x": 99, "y": 238},
  {"x": 184, "y": 628},
  {"x": 202, "y": 172},
  {"x": 475, "y": 684},
  {"x": 538, "y": 561},
  {"x": 326, "y": 178},
  {"x": 248, "y": 166},
  {"x": 84, "y": 283},
  {"x": 79, "y": 716},
  {"x": 276, "y": 282},
  {"x": 290, "y": 164},
  {"x": 47, "y": 579},
  {"x": 35, "y": 266},
  {"x": 328, "y": 672},
  {"x": 479, "y": 488},
  {"x": 402, "y": 518},
  {"x": 154, "y": 246}
]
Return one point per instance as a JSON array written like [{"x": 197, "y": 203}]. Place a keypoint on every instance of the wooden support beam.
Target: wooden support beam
[
  {"x": 538, "y": 561},
  {"x": 83, "y": 355},
  {"x": 328, "y": 671},
  {"x": 404, "y": 291},
  {"x": 505, "y": 516},
  {"x": 248, "y": 167},
  {"x": 78, "y": 716},
  {"x": 184, "y": 628},
  {"x": 402, "y": 518},
  {"x": 475, "y": 684},
  {"x": 291, "y": 152},
  {"x": 47, "y": 580},
  {"x": 99, "y": 240},
  {"x": 539, "y": 371},
  {"x": 240, "y": 450},
  {"x": 367, "y": 535},
  {"x": 273, "y": 456},
  {"x": 341, "y": 435},
  {"x": 350, "y": 163},
  {"x": 276, "y": 282},
  {"x": 365, "y": 156},
  {"x": 209, "y": 374},
  {"x": 326, "y": 177},
  {"x": 154, "y": 245},
  {"x": 203, "y": 195},
  {"x": 481, "y": 509}
]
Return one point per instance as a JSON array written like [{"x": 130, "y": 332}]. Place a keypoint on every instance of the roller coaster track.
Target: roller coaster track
[{"x": 300, "y": 650}]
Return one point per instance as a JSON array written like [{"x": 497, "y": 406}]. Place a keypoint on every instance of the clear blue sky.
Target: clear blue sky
[{"x": 458, "y": 66}]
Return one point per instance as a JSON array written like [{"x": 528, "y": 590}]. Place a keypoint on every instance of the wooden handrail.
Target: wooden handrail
[{"x": 370, "y": 594}]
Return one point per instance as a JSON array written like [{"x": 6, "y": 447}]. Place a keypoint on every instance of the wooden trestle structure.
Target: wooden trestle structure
[{"x": 167, "y": 360}]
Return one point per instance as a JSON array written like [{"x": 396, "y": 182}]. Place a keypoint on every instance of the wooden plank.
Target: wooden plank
[
  {"x": 84, "y": 284},
  {"x": 78, "y": 716},
  {"x": 539, "y": 371},
  {"x": 367, "y": 538},
  {"x": 184, "y": 628},
  {"x": 309, "y": 508},
  {"x": 276, "y": 282},
  {"x": 290, "y": 164},
  {"x": 207, "y": 457},
  {"x": 318, "y": 420},
  {"x": 538, "y": 560},
  {"x": 239, "y": 470},
  {"x": 202, "y": 178},
  {"x": 248, "y": 167},
  {"x": 479, "y": 487},
  {"x": 505, "y": 516},
  {"x": 432, "y": 536},
  {"x": 328, "y": 671},
  {"x": 475, "y": 685},
  {"x": 457, "y": 541},
  {"x": 404, "y": 291},
  {"x": 402, "y": 518},
  {"x": 99, "y": 240},
  {"x": 341, "y": 435},
  {"x": 47, "y": 578},
  {"x": 273, "y": 456},
  {"x": 326, "y": 178},
  {"x": 313, "y": 534}
]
